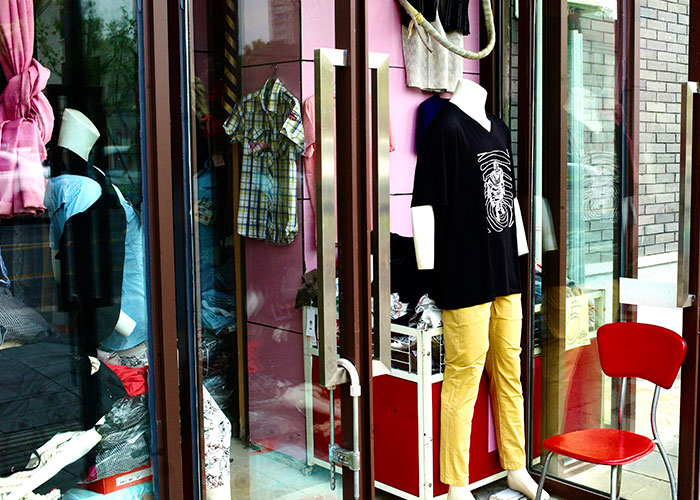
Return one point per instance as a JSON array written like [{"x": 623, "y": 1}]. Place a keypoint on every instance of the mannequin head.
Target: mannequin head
[
  {"x": 472, "y": 89},
  {"x": 470, "y": 97},
  {"x": 78, "y": 134}
]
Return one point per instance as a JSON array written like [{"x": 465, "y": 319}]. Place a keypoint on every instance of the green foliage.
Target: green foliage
[{"x": 110, "y": 50}]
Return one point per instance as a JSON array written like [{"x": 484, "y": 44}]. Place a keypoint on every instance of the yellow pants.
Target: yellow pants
[{"x": 483, "y": 335}]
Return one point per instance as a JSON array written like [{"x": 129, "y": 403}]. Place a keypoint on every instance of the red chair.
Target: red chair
[{"x": 626, "y": 350}]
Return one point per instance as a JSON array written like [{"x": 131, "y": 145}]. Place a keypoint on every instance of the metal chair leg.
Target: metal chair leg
[
  {"x": 540, "y": 487},
  {"x": 615, "y": 473},
  {"x": 669, "y": 469},
  {"x": 619, "y": 481},
  {"x": 657, "y": 440}
]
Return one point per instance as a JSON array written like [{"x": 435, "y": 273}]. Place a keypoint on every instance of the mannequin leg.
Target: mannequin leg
[
  {"x": 459, "y": 493},
  {"x": 503, "y": 367},
  {"x": 520, "y": 480},
  {"x": 466, "y": 342}
]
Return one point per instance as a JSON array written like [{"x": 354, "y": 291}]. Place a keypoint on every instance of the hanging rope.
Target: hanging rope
[{"x": 420, "y": 21}]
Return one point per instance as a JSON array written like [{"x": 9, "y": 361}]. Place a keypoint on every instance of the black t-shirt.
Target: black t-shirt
[{"x": 466, "y": 174}]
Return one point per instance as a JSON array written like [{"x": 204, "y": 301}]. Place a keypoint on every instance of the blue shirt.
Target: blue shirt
[
  {"x": 426, "y": 112},
  {"x": 68, "y": 195}
]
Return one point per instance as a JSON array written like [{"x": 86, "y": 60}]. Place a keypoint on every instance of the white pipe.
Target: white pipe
[{"x": 355, "y": 389}]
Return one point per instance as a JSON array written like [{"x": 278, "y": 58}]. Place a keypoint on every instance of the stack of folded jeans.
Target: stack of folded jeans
[{"x": 218, "y": 311}]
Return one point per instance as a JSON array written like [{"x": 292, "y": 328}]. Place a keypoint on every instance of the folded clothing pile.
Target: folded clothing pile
[
  {"x": 407, "y": 281},
  {"x": 125, "y": 442},
  {"x": 51, "y": 397}
]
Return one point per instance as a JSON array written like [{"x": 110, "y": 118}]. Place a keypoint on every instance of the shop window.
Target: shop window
[{"x": 74, "y": 315}]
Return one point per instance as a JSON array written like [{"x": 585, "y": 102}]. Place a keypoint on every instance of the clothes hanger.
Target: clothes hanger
[
  {"x": 419, "y": 20},
  {"x": 273, "y": 76}
]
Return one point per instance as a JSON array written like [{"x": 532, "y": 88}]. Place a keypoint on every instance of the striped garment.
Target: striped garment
[
  {"x": 454, "y": 14},
  {"x": 268, "y": 125}
]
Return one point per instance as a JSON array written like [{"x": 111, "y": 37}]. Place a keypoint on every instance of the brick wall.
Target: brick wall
[{"x": 664, "y": 65}]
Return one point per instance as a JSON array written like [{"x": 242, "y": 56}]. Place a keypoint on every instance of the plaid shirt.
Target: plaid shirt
[{"x": 268, "y": 125}]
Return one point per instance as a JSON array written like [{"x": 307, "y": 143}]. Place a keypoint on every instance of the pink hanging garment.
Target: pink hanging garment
[
  {"x": 309, "y": 154},
  {"x": 26, "y": 117}
]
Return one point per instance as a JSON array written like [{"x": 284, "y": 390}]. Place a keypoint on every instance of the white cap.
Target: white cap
[{"x": 78, "y": 133}]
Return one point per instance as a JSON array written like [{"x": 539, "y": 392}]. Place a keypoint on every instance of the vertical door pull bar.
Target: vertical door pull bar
[
  {"x": 324, "y": 62},
  {"x": 336, "y": 454},
  {"x": 683, "y": 297},
  {"x": 379, "y": 68}
]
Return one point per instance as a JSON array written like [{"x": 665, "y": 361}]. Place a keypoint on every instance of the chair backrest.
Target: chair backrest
[{"x": 639, "y": 350}]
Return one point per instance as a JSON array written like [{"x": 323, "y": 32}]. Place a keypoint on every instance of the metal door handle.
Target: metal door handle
[
  {"x": 324, "y": 62},
  {"x": 379, "y": 68},
  {"x": 683, "y": 297}
]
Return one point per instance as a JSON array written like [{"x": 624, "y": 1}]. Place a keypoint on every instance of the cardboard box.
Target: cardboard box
[{"x": 120, "y": 481}]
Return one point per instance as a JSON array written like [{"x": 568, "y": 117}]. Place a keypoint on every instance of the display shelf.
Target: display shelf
[{"x": 406, "y": 405}]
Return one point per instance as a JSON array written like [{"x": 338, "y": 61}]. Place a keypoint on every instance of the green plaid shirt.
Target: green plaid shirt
[{"x": 268, "y": 125}]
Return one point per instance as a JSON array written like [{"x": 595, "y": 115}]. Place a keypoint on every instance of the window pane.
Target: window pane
[
  {"x": 621, "y": 211},
  {"x": 73, "y": 301}
]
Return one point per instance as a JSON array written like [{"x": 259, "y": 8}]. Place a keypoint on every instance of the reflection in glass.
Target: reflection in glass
[
  {"x": 73, "y": 306},
  {"x": 620, "y": 213}
]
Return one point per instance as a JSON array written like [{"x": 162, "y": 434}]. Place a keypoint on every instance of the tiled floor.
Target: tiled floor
[{"x": 259, "y": 475}]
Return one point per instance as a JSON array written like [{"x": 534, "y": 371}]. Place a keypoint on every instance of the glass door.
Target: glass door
[
  {"x": 253, "y": 242},
  {"x": 609, "y": 218},
  {"x": 264, "y": 418}
]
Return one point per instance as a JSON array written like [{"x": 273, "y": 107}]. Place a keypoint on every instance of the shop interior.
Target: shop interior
[
  {"x": 279, "y": 413},
  {"x": 263, "y": 420}
]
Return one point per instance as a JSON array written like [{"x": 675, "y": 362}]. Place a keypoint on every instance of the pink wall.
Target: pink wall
[
  {"x": 274, "y": 271},
  {"x": 384, "y": 37}
]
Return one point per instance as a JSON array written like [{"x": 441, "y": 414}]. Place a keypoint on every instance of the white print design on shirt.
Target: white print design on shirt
[{"x": 498, "y": 189}]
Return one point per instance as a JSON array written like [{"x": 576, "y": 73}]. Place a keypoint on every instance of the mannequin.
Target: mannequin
[
  {"x": 78, "y": 134},
  {"x": 470, "y": 98},
  {"x": 70, "y": 198}
]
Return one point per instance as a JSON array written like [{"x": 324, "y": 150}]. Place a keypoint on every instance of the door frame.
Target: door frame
[
  {"x": 554, "y": 153},
  {"x": 161, "y": 67},
  {"x": 354, "y": 197},
  {"x": 160, "y": 108},
  {"x": 167, "y": 103}
]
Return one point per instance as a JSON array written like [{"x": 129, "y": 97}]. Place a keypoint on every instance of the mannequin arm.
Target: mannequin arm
[
  {"x": 520, "y": 230},
  {"x": 125, "y": 324},
  {"x": 424, "y": 236},
  {"x": 56, "y": 266}
]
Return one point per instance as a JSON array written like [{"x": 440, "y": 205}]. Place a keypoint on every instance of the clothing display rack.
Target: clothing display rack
[{"x": 406, "y": 416}]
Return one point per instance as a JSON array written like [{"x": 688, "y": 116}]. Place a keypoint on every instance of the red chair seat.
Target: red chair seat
[{"x": 601, "y": 446}]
